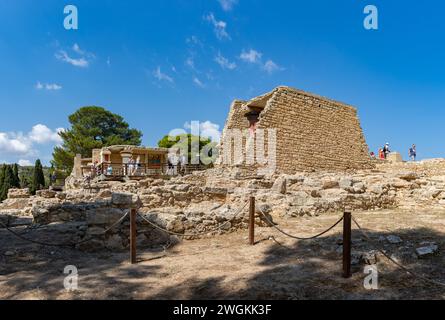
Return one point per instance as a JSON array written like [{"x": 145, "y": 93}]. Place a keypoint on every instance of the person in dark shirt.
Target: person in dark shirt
[{"x": 413, "y": 153}]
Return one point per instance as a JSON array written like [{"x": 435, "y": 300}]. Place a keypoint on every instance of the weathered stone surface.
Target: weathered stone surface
[
  {"x": 427, "y": 250},
  {"x": 394, "y": 239},
  {"x": 106, "y": 216},
  {"x": 279, "y": 185},
  {"x": 125, "y": 200},
  {"x": 18, "y": 193},
  {"x": 47, "y": 194}
]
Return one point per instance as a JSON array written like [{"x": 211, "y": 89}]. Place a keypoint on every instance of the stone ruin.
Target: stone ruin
[
  {"x": 312, "y": 132},
  {"x": 336, "y": 174},
  {"x": 203, "y": 201}
]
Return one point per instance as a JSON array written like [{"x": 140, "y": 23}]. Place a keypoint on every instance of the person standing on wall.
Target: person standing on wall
[
  {"x": 413, "y": 153},
  {"x": 386, "y": 150}
]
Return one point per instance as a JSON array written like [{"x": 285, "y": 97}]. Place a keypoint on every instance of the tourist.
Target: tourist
[
  {"x": 109, "y": 171},
  {"x": 372, "y": 155},
  {"x": 137, "y": 165},
  {"x": 386, "y": 150},
  {"x": 413, "y": 153},
  {"x": 381, "y": 154},
  {"x": 130, "y": 166}
]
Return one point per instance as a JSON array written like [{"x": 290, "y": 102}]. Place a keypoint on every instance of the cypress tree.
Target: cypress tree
[
  {"x": 16, "y": 176},
  {"x": 38, "y": 181},
  {"x": 2, "y": 179},
  {"x": 7, "y": 182}
]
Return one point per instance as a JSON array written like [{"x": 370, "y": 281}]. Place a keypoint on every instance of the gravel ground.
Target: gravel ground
[{"x": 225, "y": 267}]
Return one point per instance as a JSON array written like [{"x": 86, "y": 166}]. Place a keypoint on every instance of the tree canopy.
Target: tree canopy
[
  {"x": 184, "y": 142},
  {"x": 38, "y": 180},
  {"x": 8, "y": 181},
  {"x": 92, "y": 127}
]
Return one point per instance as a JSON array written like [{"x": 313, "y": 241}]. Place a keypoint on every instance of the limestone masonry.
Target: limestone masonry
[{"x": 312, "y": 132}]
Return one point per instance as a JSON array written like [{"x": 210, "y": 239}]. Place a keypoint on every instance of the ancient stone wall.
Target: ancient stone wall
[{"x": 312, "y": 132}]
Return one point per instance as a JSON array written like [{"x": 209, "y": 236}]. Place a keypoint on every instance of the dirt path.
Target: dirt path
[{"x": 226, "y": 267}]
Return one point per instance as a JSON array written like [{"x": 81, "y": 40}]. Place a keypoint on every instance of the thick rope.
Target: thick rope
[
  {"x": 18, "y": 235},
  {"x": 194, "y": 234},
  {"x": 295, "y": 237},
  {"x": 416, "y": 275}
]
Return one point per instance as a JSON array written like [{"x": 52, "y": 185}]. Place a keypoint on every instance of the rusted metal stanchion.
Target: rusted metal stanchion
[
  {"x": 347, "y": 244},
  {"x": 252, "y": 221},
  {"x": 133, "y": 235}
]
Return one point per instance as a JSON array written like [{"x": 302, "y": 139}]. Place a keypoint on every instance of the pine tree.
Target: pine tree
[
  {"x": 7, "y": 182},
  {"x": 38, "y": 181},
  {"x": 16, "y": 176},
  {"x": 2, "y": 179}
]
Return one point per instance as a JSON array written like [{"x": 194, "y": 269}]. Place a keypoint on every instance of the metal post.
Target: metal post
[
  {"x": 252, "y": 221},
  {"x": 347, "y": 244},
  {"x": 133, "y": 236}
]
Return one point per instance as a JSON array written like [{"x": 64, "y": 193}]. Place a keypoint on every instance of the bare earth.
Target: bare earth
[{"x": 225, "y": 267}]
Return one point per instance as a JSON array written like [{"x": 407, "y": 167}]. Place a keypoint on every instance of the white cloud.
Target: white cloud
[
  {"x": 11, "y": 143},
  {"x": 224, "y": 62},
  {"x": 24, "y": 163},
  {"x": 48, "y": 86},
  {"x": 271, "y": 66},
  {"x": 219, "y": 27},
  {"x": 227, "y": 5},
  {"x": 42, "y": 134},
  {"x": 77, "y": 49},
  {"x": 251, "y": 56},
  {"x": 190, "y": 62},
  {"x": 206, "y": 129},
  {"x": 162, "y": 76},
  {"x": 198, "y": 82},
  {"x": 83, "y": 61},
  {"x": 255, "y": 57},
  {"x": 80, "y": 62},
  {"x": 193, "y": 40},
  {"x": 17, "y": 143}
]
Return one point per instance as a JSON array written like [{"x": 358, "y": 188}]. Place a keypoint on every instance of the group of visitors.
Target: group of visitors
[
  {"x": 133, "y": 166},
  {"x": 385, "y": 151}
]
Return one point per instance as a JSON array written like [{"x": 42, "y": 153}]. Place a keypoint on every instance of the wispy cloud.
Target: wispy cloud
[
  {"x": 251, "y": 56},
  {"x": 271, "y": 66},
  {"x": 162, "y": 76},
  {"x": 255, "y": 57},
  {"x": 198, "y": 82},
  {"x": 80, "y": 62},
  {"x": 219, "y": 27},
  {"x": 190, "y": 62},
  {"x": 224, "y": 62},
  {"x": 227, "y": 5},
  {"x": 48, "y": 86}
]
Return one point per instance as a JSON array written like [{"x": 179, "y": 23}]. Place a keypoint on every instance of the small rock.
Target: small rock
[
  {"x": 426, "y": 251},
  {"x": 345, "y": 183},
  {"x": 9, "y": 253},
  {"x": 394, "y": 239}
]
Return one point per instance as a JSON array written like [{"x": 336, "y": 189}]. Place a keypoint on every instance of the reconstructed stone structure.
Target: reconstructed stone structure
[{"x": 312, "y": 132}]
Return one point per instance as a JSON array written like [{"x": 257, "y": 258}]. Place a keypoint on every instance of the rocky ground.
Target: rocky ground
[
  {"x": 402, "y": 206},
  {"x": 225, "y": 266}
]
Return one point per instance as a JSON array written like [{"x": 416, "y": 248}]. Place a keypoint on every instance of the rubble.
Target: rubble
[{"x": 208, "y": 201}]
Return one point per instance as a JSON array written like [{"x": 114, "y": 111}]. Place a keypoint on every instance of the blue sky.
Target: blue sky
[{"x": 163, "y": 63}]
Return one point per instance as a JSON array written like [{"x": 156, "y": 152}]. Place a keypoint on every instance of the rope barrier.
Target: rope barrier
[
  {"x": 20, "y": 236},
  {"x": 295, "y": 237},
  {"x": 412, "y": 273},
  {"x": 195, "y": 234}
]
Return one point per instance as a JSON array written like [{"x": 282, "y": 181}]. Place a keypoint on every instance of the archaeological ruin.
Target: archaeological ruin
[{"x": 312, "y": 133}]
